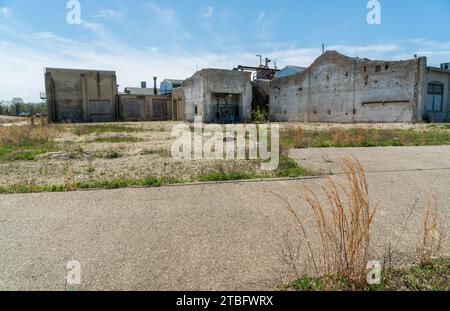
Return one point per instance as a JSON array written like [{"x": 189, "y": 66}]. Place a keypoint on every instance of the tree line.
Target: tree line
[{"x": 17, "y": 107}]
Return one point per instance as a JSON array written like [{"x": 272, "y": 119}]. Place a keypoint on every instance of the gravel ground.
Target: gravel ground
[{"x": 82, "y": 160}]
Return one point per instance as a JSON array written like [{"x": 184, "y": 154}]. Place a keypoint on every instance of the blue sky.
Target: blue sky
[{"x": 172, "y": 38}]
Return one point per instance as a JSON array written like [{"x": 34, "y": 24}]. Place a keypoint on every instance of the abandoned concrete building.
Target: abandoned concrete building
[
  {"x": 144, "y": 107},
  {"x": 144, "y": 104},
  {"x": 341, "y": 89},
  {"x": 334, "y": 89},
  {"x": 80, "y": 95},
  {"x": 216, "y": 95}
]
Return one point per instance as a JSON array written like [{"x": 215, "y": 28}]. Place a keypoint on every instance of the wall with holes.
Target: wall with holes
[{"x": 341, "y": 89}]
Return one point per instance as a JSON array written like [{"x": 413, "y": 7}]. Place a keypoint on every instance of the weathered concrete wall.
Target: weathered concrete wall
[
  {"x": 194, "y": 96},
  {"x": 178, "y": 104},
  {"x": 200, "y": 88},
  {"x": 81, "y": 95},
  {"x": 145, "y": 108},
  {"x": 444, "y": 79},
  {"x": 336, "y": 88}
]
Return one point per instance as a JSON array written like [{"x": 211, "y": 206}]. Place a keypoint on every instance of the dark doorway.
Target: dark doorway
[
  {"x": 434, "y": 103},
  {"x": 227, "y": 108}
]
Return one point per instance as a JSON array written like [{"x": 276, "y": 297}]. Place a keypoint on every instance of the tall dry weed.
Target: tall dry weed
[
  {"x": 299, "y": 138},
  {"x": 342, "y": 219},
  {"x": 24, "y": 135},
  {"x": 434, "y": 234}
]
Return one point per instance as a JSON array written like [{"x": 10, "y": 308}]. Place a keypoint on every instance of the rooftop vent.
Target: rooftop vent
[{"x": 155, "y": 90}]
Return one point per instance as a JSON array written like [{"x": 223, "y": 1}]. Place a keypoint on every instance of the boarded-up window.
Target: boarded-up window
[
  {"x": 100, "y": 107},
  {"x": 132, "y": 108},
  {"x": 159, "y": 109}
]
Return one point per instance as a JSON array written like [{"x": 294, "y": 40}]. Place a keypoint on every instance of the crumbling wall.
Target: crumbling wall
[{"x": 340, "y": 89}]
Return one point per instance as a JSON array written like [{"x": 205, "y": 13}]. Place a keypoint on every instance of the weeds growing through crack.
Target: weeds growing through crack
[{"x": 342, "y": 219}]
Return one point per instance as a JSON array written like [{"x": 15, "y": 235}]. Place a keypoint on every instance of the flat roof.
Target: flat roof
[
  {"x": 437, "y": 69},
  {"x": 52, "y": 69}
]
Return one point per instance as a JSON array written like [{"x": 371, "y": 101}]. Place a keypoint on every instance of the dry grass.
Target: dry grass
[
  {"x": 299, "y": 138},
  {"x": 363, "y": 137},
  {"x": 24, "y": 135},
  {"x": 342, "y": 221},
  {"x": 25, "y": 142},
  {"x": 434, "y": 234}
]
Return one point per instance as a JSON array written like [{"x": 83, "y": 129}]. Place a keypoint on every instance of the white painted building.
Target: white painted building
[{"x": 437, "y": 102}]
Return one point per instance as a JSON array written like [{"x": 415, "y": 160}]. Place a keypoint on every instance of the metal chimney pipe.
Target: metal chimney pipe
[{"x": 155, "y": 90}]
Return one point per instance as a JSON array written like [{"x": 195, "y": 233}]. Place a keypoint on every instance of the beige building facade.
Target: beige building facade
[{"x": 75, "y": 95}]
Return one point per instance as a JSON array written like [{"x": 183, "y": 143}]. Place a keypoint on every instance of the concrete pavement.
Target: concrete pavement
[{"x": 224, "y": 236}]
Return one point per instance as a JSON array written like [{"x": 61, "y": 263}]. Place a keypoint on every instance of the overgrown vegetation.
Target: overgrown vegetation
[
  {"x": 287, "y": 168},
  {"x": 434, "y": 276},
  {"x": 25, "y": 142},
  {"x": 228, "y": 176},
  {"x": 360, "y": 137},
  {"x": 104, "y": 184},
  {"x": 341, "y": 219},
  {"x": 109, "y": 154},
  {"x": 342, "y": 222},
  {"x": 117, "y": 139},
  {"x": 433, "y": 235},
  {"x": 260, "y": 115}
]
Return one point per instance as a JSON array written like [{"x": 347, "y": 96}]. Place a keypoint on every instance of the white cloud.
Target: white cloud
[
  {"x": 365, "y": 51},
  {"x": 208, "y": 12},
  {"x": 5, "y": 11},
  {"x": 103, "y": 50},
  {"x": 165, "y": 16},
  {"x": 111, "y": 14},
  {"x": 265, "y": 24},
  {"x": 53, "y": 38}
]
